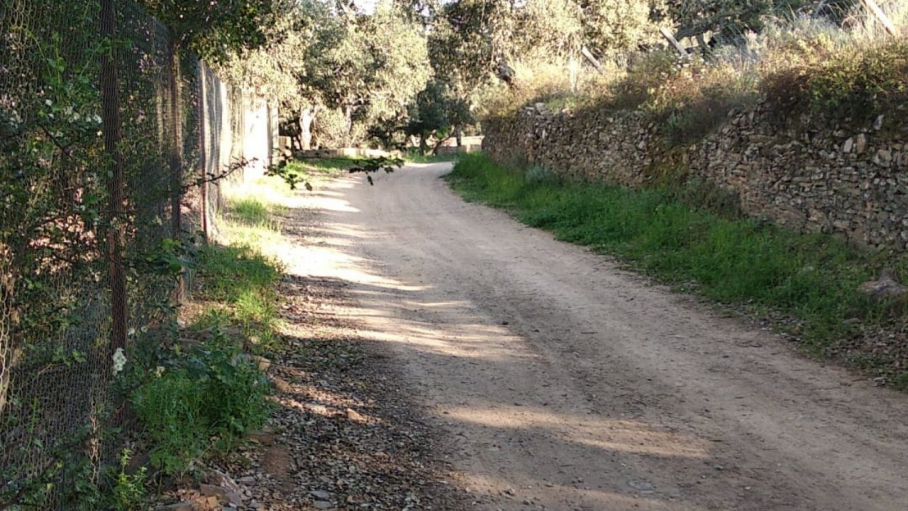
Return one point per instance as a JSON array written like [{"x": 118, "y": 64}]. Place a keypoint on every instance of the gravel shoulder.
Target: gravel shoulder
[{"x": 560, "y": 381}]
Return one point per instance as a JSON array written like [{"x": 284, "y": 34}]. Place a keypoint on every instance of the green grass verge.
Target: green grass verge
[
  {"x": 242, "y": 281},
  {"x": 331, "y": 165},
  {"x": 312, "y": 166},
  {"x": 809, "y": 279},
  {"x": 416, "y": 157},
  {"x": 252, "y": 212},
  {"x": 198, "y": 395}
]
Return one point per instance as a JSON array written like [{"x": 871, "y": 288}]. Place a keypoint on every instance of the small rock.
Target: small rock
[
  {"x": 265, "y": 436},
  {"x": 878, "y": 123},
  {"x": 223, "y": 494},
  {"x": 218, "y": 478},
  {"x": 322, "y": 504},
  {"x": 860, "y": 143},
  {"x": 254, "y": 504},
  {"x": 848, "y": 145},
  {"x": 320, "y": 494},
  {"x": 641, "y": 485},
  {"x": 178, "y": 506},
  {"x": 246, "y": 480},
  {"x": 883, "y": 157},
  {"x": 355, "y": 416},
  {"x": 262, "y": 362},
  {"x": 885, "y": 288}
]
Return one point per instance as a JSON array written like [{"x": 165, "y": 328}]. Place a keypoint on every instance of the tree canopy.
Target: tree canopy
[
  {"x": 218, "y": 28},
  {"x": 423, "y": 67}
]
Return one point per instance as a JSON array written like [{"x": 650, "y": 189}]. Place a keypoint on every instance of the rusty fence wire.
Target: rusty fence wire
[{"x": 108, "y": 150}]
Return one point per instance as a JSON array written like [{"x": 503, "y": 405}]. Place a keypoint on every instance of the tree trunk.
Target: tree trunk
[
  {"x": 572, "y": 70},
  {"x": 348, "y": 117},
  {"x": 458, "y": 132},
  {"x": 305, "y": 122},
  {"x": 423, "y": 146}
]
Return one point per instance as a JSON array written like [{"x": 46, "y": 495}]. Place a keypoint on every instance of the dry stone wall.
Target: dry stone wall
[{"x": 805, "y": 175}]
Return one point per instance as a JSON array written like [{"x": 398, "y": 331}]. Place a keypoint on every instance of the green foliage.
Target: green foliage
[
  {"x": 199, "y": 398},
  {"x": 170, "y": 411},
  {"x": 612, "y": 26},
  {"x": 475, "y": 42},
  {"x": 215, "y": 30},
  {"x": 242, "y": 279},
  {"x": 49, "y": 148},
  {"x": 436, "y": 112},
  {"x": 209, "y": 391},
  {"x": 292, "y": 174},
  {"x": 538, "y": 174},
  {"x": 233, "y": 389},
  {"x": 369, "y": 166},
  {"x": 803, "y": 64},
  {"x": 861, "y": 86},
  {"x": 229, "y": 273},
  {"x": 810, "y": 278},
  {"x": 250, "y": 211},
  {"x": 367, "y": 67},
  {"x": 128, "y": 492},
  {"x": 171, "y": 258}
]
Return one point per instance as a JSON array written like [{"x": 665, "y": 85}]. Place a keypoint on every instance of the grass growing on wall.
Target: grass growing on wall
[{"x": 810, "y": 278}]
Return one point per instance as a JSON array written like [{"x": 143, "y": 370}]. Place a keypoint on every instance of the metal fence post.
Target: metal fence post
[
  {"x": 203, "y": 155},
  {"x": 116, "y": 228}
]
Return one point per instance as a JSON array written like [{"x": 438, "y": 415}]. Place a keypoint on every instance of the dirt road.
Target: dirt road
[{"x": 566, "y": 383}]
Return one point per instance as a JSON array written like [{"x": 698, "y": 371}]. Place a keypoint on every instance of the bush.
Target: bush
[
  {"x": 210, "y": 391},
  {"x": 538, "y": 174},
  {"x": 233, "y": 389},
  {"x": 861, "y": 86}
]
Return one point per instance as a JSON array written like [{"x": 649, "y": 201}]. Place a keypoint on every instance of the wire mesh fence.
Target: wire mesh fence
[{"x": 111, "y": 150}]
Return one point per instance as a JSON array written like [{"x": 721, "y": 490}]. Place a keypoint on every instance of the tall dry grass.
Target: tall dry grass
[{"x": 853, "y": 66}]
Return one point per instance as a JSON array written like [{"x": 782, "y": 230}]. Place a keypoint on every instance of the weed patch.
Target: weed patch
[
  {"x": 193, "y": 394},
  {"x": 251, "y": 211}
]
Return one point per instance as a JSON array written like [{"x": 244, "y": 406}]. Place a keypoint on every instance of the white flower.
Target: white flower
[
  {"x": 119, "y": 360},
  {"x": 159, "y": 371}
]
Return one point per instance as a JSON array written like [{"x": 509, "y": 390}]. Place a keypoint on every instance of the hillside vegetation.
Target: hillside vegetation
[{"x": 850, "y": 70}]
